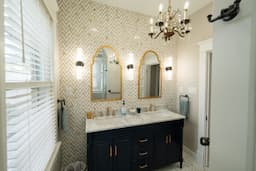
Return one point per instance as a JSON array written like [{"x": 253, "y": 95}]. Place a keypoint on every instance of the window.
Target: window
[{"x": 30, "y": 102}]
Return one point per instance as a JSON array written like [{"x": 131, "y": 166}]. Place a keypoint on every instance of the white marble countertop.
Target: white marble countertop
[{"x": 130, "y": 120}]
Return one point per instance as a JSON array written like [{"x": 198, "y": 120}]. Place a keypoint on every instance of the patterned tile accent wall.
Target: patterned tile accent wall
[{"x": 87, "y": 24}]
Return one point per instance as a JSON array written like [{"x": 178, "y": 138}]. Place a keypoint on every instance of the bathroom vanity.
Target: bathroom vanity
[{"x": 141, "y": 142}]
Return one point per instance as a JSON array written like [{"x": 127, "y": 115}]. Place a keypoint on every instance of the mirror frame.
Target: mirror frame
[
  {"x": 160, "y": 81},
  {"x": 121, "y": 74}
]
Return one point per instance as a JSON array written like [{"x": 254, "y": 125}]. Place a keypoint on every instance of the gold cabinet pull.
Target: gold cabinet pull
[
  {"x": 170, "y": 139},
  {"x": 116, "y": 150},
  {"x": 166, "y": 139},
  {"x": 143, "y": 140},
  {"x": 143, "y": 166},
  {"x": 110, "y": 151}
]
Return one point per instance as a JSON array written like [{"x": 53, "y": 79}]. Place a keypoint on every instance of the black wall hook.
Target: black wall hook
[{"x": 227, "y": 14}]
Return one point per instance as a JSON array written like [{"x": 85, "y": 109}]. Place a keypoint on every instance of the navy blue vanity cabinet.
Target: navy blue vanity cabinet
[
  {"x": 109, "y": 151},
  {"x": 100, "y": 152},
  {"x": 122, "y": 153},
  {"x": 174, "y": 146},
  {"x": 160, "y": 147},
  {"x": 168, "y": 142},
  {"x": 143, "y": 142},
  {"x": 139, "y": 148}
]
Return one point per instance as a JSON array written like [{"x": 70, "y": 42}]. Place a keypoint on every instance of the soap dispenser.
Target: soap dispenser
[{"x": 123, "y": 108}]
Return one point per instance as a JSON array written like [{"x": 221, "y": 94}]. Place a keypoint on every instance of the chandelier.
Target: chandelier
[{"x": 170, "y": 23}]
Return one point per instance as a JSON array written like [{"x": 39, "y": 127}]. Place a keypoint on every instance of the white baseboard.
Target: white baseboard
[{"x": 54, "y": 163}]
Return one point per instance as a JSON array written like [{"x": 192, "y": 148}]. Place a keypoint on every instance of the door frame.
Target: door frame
[{"x": 204, "y": 46}]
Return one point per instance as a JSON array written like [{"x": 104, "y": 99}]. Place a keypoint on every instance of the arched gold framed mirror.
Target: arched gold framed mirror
[
  {"x": 150, "y": 76},
  {"x": 106, "y": 75}
]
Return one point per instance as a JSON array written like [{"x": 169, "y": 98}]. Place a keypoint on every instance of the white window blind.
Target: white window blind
[
  {"x": 28, "y": 41},
  {"x": 30, "y": 102}
]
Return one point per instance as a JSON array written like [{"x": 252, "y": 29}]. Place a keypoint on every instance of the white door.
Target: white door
[{"x": 233, "y": 90}]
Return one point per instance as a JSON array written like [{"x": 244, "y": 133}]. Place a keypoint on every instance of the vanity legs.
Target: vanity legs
[{"x": 181, "y": 164}]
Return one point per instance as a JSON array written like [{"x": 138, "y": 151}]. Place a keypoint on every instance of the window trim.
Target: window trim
[
  {"x": 52, "y": 8},
  {"x": 3, "y": 144}
]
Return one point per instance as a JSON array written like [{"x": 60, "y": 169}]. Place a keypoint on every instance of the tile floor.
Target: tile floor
[{"x": 188, "y": 165}]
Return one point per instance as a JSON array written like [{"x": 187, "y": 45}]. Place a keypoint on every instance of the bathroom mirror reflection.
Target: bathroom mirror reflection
[
  {"x": 150, "y": 80},
  {"x": 106, "y": 75}
]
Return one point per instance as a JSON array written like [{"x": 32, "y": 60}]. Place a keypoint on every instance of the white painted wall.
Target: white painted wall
[
  {"x": 233, "y": 91},
  {"x": 188, "y": 71}
]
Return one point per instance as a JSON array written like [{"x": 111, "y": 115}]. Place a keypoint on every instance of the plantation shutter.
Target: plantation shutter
[{"x": 30, "y": 97}]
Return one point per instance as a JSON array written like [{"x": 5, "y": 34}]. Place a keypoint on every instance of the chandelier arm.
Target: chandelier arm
[
  {"x": 161, "y": 31},
  {"x": 180, "y": 34},
  {"x": 176, "y": 12}
]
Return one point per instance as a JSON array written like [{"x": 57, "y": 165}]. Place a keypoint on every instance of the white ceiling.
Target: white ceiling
[{"x": 150, "y": 7}]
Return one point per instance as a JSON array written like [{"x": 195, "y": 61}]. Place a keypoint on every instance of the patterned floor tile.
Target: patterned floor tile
[{"x": 189, "y": 164}]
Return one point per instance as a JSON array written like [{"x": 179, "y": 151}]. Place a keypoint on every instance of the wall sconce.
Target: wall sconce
[
  {"x": 169, "y": 68},
  {"x": 130, "y": 67},
  {"x": 79, "y": 63}
]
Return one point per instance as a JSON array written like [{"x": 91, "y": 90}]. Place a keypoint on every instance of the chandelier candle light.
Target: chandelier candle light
[{"x": 170, "y": 23}]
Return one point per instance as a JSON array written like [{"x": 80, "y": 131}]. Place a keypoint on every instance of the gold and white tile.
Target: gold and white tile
[{"x": 86, "y": 24}]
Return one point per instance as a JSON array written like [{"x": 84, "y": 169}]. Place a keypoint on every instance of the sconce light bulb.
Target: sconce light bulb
[
  {"x": 130, "y": 67},
  {"x": 80, "y": 54},
  {"x": 79, "y": 63},
  {"x": 130, "y": 58},
  {"x": 79, "y": 72}
]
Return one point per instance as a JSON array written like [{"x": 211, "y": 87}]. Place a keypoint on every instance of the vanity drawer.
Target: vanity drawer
[
  {"x": 143, "y": 165},
  {"x": 143, "y": 143},
  {"x": 143, "y": 136},
  {"x": 143, "y": 151},
  {"x": 143, "y": 139}
]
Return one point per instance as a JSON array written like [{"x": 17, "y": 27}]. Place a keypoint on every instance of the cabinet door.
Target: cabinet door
[
  {"x": 102, "y": 153},
  {"x": 160, "y": 150},
  {"x": 122, "y": 152},
  {"x": 174, "y": 150}
]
